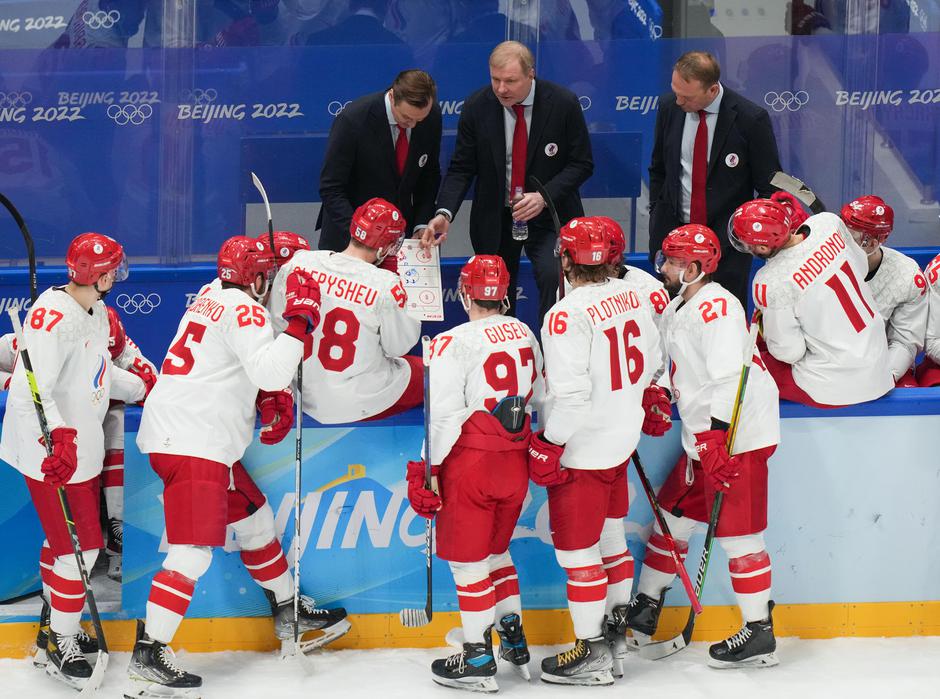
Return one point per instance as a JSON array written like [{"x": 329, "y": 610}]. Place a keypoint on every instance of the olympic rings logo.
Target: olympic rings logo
[
  {"x": 585, "y": 102},
  {"x": 101, "y": 19},
  {"x": 135, "y": 114},
  {"x": 656, "y": 32},
  {"x": 15, "y": 99},
  {"x": 786, "y": 100},
  {"x": 200, "y": 96},
  {"x": 137, "y": 303},
  {"x": 335, "y": 107}
]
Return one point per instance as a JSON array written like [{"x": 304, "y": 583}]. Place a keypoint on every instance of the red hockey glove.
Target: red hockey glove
[
  {"x": 302, "y": 310},
  {"x": 720, "y": 468},
  {"x": 545, "y": 462},
  {"x": 117, "y": 338},
  {"x": 145, "y": 374},
  {"x": 390, "y": 263},
  {"x": 658, "y": 409},
  {"x": 61, "y": 464},
  {"x": 423, "y": 500},
  {"x": 277, "y": 414}
]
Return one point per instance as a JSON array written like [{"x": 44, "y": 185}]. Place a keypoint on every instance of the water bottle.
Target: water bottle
[{"x": 520, "y": 229}]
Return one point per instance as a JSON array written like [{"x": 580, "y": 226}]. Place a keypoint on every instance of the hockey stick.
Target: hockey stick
[
  {"x": 28, "y": 239},
  {"x": 796, "y": 187},
  {"x": 663, "y": 649},
  {"x": 667, "y": 535},
  {"x": 101, "y": 664},
  {"x": 550, "y": 205},
  {"x": 298, "y": 449},
  {"x": 420, "y": 617}
]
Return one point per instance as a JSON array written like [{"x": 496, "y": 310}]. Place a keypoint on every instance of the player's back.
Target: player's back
[
  {"x": 932, "y": 345},
  {"x": 821, "y": 282},
  {"x": 204, "y": 402},
  {"x": 356, "y": 370},
  {"x": 601, "y": 351},
  {"x": 474, "y": 366}
]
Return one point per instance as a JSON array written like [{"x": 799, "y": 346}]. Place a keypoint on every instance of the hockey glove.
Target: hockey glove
[
  {"x": 277, "y": 414},
  {"x": 720, "y": 468},
  {"x": 145, "y": 373},
  {"x": 60, "y": 465},
  {"x": 390, "y": 263},
  {"x": 423, "y": 500},
  {"x": 657, "y": 407},
  {"x": 545, "y": 462},
  {"x": 302, "y": 308}
]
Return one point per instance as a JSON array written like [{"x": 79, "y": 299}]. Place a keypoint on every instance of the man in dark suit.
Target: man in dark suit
[
  {"x": 713, "y": 150},
  {"x": 387, "y": 145},
  {"x": 502, "y": 151}
]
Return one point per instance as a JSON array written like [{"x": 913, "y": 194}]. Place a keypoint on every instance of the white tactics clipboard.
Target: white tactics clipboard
[{"x": 420, "y": 272}]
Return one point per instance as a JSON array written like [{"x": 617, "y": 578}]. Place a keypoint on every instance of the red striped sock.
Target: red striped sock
[
  {"x": 112, "y": 473},
  {"x": 170, "y": 595},
  {"x": 477, "y": 602},
  {"x": 587, "y": 593},
  {"x": 750, "y": 579},
  {"x": 265, "y": 563}
]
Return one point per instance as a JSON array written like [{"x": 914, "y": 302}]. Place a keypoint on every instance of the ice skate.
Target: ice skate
[
  {"x": 588, "y": 663},
  {"x": 643, "y": 619},
  {"x": 512, "y": 644},
  {"x": 153, "y": 674},
  {"x": 615, "y": 631},
  {"x": 115, "y": 548},
  {"x": 330, "y": 623},
  {"x": 65, "y": 660},
  {"x": 88, "y": 644},
  {"x": 472, "y": 669},
  {"x": 752, "y": 646}
]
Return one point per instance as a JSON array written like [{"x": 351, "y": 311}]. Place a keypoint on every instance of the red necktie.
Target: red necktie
[
  {"x": 698, "y": 212},
  {"x": 401, "y": 150},
  {"x": 519, "y": 143}
]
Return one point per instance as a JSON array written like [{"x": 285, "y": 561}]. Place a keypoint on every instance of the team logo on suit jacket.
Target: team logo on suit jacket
[
  {"x": 423, "y": 160},
  {"x": 732, "y": 160},
  {"x": 551, "y": 150}
]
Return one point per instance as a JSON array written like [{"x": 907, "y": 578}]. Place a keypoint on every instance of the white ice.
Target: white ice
[{"x": 847, "y": 667}]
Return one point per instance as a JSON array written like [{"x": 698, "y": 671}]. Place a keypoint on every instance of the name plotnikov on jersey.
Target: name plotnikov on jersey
[
  {"x": 505, "y": 331},
  {"x": 821, "y": 258},
  {"x": 613, "y": 305},
  {"x": 345, "y": 289},
  {"x": 205, "y": 306}
]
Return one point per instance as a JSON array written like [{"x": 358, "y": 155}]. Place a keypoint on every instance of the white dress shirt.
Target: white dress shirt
[{"x": 688, "y": 145}]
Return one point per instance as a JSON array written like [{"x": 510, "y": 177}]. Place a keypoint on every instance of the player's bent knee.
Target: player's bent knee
[
  {"x": 256, "y": 530},
  {"x": 67, "y": 567},
  {"x": 188, "y": 560},
  {"x": 738, "y": 546},
  {"x": 469, "y": 573},
  {"x": 579, "y": 558},
  {"x": 613, "y": 539},
  {"x": 500, "y": 560}
]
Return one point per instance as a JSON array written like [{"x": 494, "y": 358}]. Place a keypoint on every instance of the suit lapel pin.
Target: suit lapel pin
[
  {"x": 551, "y": 150},
  {"x": 732, "y": 160},
  {"x": 422, "y": 160}
]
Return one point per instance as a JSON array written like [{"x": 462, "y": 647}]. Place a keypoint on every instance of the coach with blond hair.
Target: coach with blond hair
[{"x": 518, "y": 127}]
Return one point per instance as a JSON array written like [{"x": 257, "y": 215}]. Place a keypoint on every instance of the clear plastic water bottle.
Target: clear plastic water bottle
[{"x": 520, "y": 229}]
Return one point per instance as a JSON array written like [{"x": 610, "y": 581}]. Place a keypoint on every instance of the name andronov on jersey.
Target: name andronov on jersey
[{"x": 819, "y": 261}]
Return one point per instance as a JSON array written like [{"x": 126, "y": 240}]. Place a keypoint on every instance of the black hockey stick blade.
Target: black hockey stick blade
[{"x": 796, "y": 187}]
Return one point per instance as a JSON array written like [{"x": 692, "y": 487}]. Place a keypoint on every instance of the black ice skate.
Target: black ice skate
[
  {"x": 643, "y": 618},
  {"x": 473, "y": 668},
  {"x": 588, "y": 663},
  {"x": 153, "y": 673},
  {"x": 615, "y": 631},
  {"x": 512, "y": 644},
  {"x": 752, "y": 646},
  {"x": 115, "y": 548},
  {"x": 66, "y": 662},
  {"x": 331, "y": 623},
  {"x": 88, "y": 644}
]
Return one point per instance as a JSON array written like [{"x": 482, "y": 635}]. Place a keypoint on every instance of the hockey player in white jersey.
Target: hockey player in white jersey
[
  {"x": 7, "y": 359},
  {"x": 825, "y": 340},
  {"x": 357, "y": 371},
  {"x": 899, "y": 287},
  {"x": 66, "y": 333},
  {"x": 651, "y": 288},
  {"x": 705, "y": 335},
  {"x": 486, "y": 376},
  {"x": 928, "y": 372},
  {"x": 601, "y": 351},
  {"x": 196, "y": 426},
  {"x": 127, "y": 355}
]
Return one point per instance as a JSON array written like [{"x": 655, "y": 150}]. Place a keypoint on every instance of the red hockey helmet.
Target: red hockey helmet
[
  {"x": 586, "y": 240},
  {"x": 379, "y": 225},
  {"x": 286, "y": 243},
  {"x": 92, "y": 255},
  {"x": 618, "y": 243},
  {"x": 117, "y": 338},
  {"x": 484, "y": 278},
  {"x": 241, "y": 259},
  {"x": 797, "y": 213},
  {"x": 692, "y": 242},
  {"x": 869, "y": 216},
  {"x": 759, "y": 222}
]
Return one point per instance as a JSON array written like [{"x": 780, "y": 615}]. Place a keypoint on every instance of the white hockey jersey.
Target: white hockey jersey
[
  {"x": 224, "y": 351},
  {"x": 900, "y": 292},
  {"x": 601, "y": 351},
  {"x": 932, "y": 344},
  {"x": 473, "y": 367},
  {"x": 7, "y": 359},
  {"x": 130, "y": 357},
  {"x": 68, "y": 348},
  {"x": 356, "y": 370},
  {"x": 820, "y": 316},
  {"x": 706, "y": 339}
]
